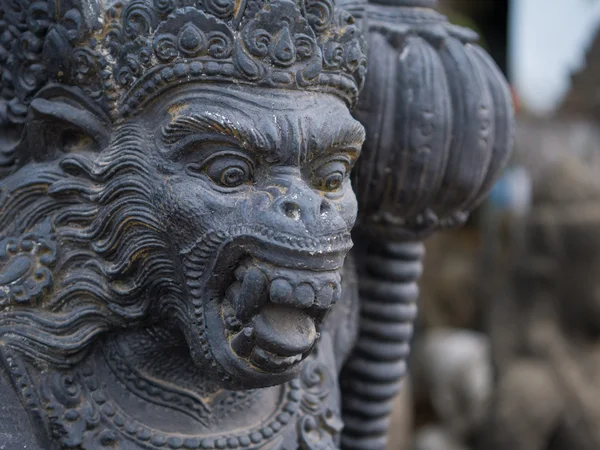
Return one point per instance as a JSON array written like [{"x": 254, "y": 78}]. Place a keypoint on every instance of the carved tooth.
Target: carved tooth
[
  {"x": 305, "y": 294},
  {"x": 325, "y": 296},
  {"x": 230, "y": 320},
  {"x": 196, "y": 293},
  {"x": 281, "y": 291},
  {"x": 194, "y": 274},
  {"x": 240, "y": 272},
  {"x": 272, "y": 362},
  {"x": 233, "y": 292},
  {"x": 243, "y": 342},
  {"x": 337, "y": 294},
  {"x": 252, "y": 294}
]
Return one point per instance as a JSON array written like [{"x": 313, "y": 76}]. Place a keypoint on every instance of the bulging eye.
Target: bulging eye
[
  {"x": 330, "y": 176},
  {"x": 232, "y": 177},
  {"x": 334, "y": 181},
  {"x": 228, "y": 171}
]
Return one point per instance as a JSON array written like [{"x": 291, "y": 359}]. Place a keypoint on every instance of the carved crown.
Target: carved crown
[{"x": 123, "y": 53}]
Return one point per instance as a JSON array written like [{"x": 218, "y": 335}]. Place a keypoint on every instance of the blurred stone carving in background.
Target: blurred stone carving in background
[
  {"x": 545, "y": 333},
  {"x": 452, "y": 372}
]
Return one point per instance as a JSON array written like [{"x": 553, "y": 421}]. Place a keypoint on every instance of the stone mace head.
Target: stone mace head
[
  {"x": 177, "y": 163},
  {"x": 439, "y": 118}
]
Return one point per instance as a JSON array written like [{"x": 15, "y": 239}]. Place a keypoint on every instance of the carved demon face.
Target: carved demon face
[
  {"x": 253, "y": 188},
  {"x": 219, "y": 211}
]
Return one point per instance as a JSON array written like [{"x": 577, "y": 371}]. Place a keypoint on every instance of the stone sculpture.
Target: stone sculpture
[
  {"x": 452, "y": 373},
  {"x": 546, "y": 355},
  {"x": 175, "y": 218}
]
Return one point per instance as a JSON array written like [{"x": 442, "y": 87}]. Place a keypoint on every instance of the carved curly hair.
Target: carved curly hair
[{"x": 111, "y": 256}]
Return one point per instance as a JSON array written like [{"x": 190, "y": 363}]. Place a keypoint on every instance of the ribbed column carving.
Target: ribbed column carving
[
  {"x": 440, "y": 124},
  {"x": 374, "y": 373}
]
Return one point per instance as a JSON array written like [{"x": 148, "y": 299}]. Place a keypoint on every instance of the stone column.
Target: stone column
[{"x": 439, "y": 120}]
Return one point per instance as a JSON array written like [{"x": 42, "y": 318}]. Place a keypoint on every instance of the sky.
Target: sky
[{"x": 548, "y": 42}]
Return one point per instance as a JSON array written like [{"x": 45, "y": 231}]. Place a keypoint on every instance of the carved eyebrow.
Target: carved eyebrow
[
  {"x": 187, "y": 125},
  {"x": 346, "y": 137}
]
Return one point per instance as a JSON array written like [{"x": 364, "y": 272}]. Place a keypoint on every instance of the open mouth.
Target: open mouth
[
  {"x": 272, "y": 314},
  {"x": 259, "y": 305}
]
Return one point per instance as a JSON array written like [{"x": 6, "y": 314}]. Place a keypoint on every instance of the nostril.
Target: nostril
[
  {"x": 325, "y": 207},
  {"x": 291, "y": 210}
]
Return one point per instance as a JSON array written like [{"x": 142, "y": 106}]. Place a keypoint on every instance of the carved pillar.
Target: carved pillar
[{"x": 439, "y": 120}]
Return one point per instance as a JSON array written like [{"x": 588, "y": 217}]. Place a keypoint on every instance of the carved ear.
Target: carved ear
[{"x": 61, "y": 119}]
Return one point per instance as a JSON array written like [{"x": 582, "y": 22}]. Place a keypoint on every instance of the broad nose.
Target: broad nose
[
  {"x": 299, "y": 208},
  {"x": 302, "y": 203}
]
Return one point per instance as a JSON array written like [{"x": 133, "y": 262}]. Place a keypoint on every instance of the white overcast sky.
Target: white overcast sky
[{"x": 548, "y": 42}]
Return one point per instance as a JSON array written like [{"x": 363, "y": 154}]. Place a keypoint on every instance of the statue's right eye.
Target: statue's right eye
[{"x": 228, "y": 171}]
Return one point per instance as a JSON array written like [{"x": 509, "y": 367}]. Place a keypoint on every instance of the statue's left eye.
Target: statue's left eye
[
  {"x": 330, "y": 176},
  {"x": 225, "y": 171}
]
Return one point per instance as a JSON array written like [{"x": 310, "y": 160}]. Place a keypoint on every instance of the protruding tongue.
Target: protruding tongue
[{"x": 284, "y": 331}]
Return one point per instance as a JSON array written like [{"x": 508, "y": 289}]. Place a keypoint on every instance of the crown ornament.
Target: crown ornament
[{"x": 123, "y": 53}]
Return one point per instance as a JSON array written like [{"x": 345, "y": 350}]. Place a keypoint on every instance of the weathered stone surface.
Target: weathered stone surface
[
  {"x": 545, "y": 329},
  {"x": 176, "y": 211}
]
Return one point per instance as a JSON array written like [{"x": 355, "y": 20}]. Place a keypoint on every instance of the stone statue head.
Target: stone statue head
[
  {"x": 180, "y": 163},
  {"x": 455, "y": 372}
]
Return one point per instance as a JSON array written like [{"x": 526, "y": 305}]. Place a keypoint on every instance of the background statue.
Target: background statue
[
  {"x": 452, "y": 373},
  {"x": 547, "y": 353}
]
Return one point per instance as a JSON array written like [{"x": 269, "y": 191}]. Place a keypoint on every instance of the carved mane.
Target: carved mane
[{"x": 111, "y": 258}]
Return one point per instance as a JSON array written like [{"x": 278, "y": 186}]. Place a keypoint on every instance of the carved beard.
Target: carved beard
[{"x": 257, "y": 303}]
